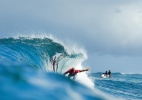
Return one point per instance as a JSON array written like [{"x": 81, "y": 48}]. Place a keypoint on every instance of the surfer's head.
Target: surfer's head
[{"x": 73, "y": 69}]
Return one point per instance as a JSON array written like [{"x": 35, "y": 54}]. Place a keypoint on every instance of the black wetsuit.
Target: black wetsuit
[{"x": 109, "y": 73}]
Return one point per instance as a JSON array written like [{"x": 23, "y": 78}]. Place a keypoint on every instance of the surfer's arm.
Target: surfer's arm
[{"x": 84, "y": 70}]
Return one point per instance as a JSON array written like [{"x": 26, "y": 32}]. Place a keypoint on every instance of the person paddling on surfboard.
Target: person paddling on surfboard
[{"x": 73, "y": 72}]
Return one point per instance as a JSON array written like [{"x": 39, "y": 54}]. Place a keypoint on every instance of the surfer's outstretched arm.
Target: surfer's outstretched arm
[{"x": 84, "y": 70}]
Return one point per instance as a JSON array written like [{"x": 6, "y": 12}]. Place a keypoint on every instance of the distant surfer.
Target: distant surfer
[
  {"x": 73, "y": 72},
  {"x": 109, "y": 73},
  {"x": 106, "y": 74}
]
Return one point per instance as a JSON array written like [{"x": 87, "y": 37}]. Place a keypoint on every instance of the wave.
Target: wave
[
  {"x": 26, "y": 67},
  {"x": 25, "y": 83},
  {"x": 38, "y": 51}
]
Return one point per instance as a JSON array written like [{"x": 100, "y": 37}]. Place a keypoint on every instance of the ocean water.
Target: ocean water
[
  {"x": 26, "y": 73},
  {"x": 120, "y": 85}
]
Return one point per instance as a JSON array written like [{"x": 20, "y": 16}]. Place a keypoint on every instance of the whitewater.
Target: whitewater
[{"x": 27, "y": 73}]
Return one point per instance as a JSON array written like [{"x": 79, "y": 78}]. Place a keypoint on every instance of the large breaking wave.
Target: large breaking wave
[{"x": 27, "y": 72}]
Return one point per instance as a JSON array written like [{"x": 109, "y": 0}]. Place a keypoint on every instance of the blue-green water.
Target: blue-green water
[
  {"x": 26, "y": 73},
  {"x": 126, "y": 86}
]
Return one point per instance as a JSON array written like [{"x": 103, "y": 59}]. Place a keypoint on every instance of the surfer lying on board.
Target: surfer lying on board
[{"x": 73, "y": 72}]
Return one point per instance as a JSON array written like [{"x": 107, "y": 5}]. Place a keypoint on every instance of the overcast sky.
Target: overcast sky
[{"x": 109, "y": 30}]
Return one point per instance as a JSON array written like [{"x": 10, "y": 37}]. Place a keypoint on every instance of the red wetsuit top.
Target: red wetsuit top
[{"x": 71, "y": 72}]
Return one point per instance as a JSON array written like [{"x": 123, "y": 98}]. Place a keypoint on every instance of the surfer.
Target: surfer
[
  {"x": 109, "y": 73},
  {"x": 105, "y": 73},
  {"x": 73, "y": 72}
]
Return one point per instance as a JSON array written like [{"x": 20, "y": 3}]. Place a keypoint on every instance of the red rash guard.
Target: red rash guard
[{"x": 70, "y": 71}]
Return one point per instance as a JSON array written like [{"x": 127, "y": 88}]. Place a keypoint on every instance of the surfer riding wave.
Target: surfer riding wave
[{"x": 73, "y": 72}]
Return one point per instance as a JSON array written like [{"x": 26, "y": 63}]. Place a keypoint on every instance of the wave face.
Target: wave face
[
  {"x": 34, "y": 52},
  {"x": 126, "y": 86},
  {"x": 26, "y": 71}
]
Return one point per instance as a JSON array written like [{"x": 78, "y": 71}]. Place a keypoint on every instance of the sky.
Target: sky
[{"x": 109, "y": 30}]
